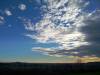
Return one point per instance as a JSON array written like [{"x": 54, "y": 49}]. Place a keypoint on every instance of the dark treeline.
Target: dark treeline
[{"x": 48, "y": 68}]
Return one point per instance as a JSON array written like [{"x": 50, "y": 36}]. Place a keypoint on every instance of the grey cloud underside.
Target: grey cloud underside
[
  {"x": 92, "y": 28},
  {"x": 92, "y": 31}
]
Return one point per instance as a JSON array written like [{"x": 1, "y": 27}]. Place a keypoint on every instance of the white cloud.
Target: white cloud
[
  {"x": 29, "y": 25},
  {"x": 61, "y": 24},
  {"x": 22, "y": 7},
  {"x": 1, "y": 20},
  {"x": 42, "y": 49},
  {"x": 8, "y": 12}
]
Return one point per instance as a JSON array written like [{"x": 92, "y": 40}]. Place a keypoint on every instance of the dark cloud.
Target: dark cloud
[{"x": 92, "y": 31}]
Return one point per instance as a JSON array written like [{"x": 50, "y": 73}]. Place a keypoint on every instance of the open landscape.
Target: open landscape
[{"x": 50, "y": 68}]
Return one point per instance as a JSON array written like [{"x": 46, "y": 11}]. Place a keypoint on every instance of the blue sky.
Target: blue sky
[{"x": 38, "y": 31}]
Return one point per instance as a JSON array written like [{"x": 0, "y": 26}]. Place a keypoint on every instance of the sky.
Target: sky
[{"x": 49, "y": 31}]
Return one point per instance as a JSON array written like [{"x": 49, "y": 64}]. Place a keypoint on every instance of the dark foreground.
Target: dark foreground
[{"x": 49, "y": 69}]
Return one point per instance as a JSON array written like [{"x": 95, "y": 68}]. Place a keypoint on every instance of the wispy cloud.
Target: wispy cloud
[
  {"x": 22, "y": 7},
  {"x": 8, "y": 12},
  {"x": 1, "y": 20}
]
